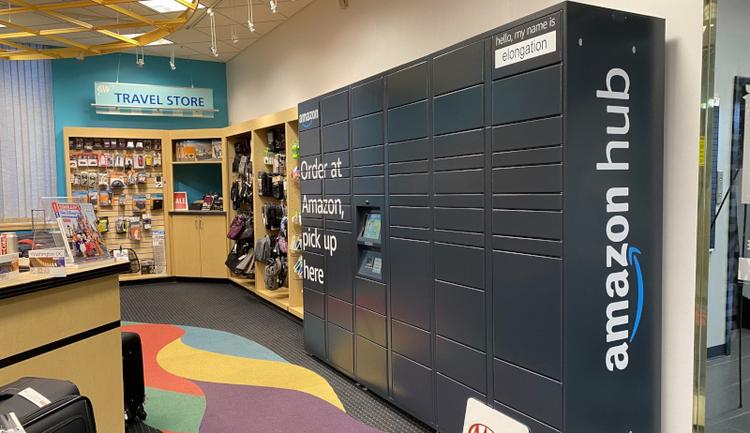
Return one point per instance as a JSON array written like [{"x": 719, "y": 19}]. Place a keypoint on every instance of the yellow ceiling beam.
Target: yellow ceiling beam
[
  {"x": 79, "y": 23},
  {"x": 188, "y": 4},
  {"x": 59, "y": 39},
  {"x": 59, "y": 6},
  {"x": 67, "y": 30}
]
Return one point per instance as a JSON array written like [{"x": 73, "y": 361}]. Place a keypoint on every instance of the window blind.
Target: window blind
[{"x": 27, "y": 137}]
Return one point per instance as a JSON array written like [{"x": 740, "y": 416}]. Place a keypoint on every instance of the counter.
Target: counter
[{"x": 67, "y": 328}]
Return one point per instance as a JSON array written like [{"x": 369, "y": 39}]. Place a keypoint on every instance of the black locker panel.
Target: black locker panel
[
  {"x": 408, "y": 122},
  {"x": 464, "y": 162},
  {"x": 372, "y": 170},
  {"x": 462, "y": 363},
  {"x": 451, "y": 403},
  {"x": 459, "y": 264},
  {"x": 461, "y": 238},
  {"x": 412, "y": 387},
  {"x": 367, "y": 98},
  {"x": 527, "y": 201},
  {"x": 459, "y": 182},
  {"x": 315, "y": 302},
  {"x": 407, "y": 85},
  {"x": 406, "y": 216},
  {"x": 527, "y": 96},
  {"x": 539, "y": 178},
  {"x": 340, "y": 313},
  {"x": 418, "y": 183},
  {"x": 459, "y": 143},
  {"x": 459, "y": 200},
  {"x": 409, "y": 150},
  {"x": 371, "y": 325},
  {"x": 459, "y": 68},
  {"x": 370, "y": 294},
  {"x": 309, "y": 115},
  {"x": 315, "y": 335},
  {"x": 459, "y": 314},
  {"x": 531, "y": 224},
  {"x": 412, "y": 342},
  {"x": 335, "y": 108},
  {"x": 530, "y": 393},
  {"x": 372, "y": 365},
  {"x": 338, "y": 186},
  {"x": 459, "y": 111},
  {"x": 317, "y": 261},
  {"x": 547, "y": 155},
  {"x": 368, "y": 185},
  {"x": 311, "y": 187},
  {"x": 333, "y": 158},
  {"x": 368, "y": 156},
  {"x": 527, "y": 135},
  {"x": 309, "y": 142},
  {"x": 533, "y": 425},
  {"x": 542, "y": 247},
  {"x": 341, "y": 348},
  {"x": 335, "y": 137},
  {"x": 461, "y": 219},
  {"x": 367, "y": 131},
  {"x": 408, "y": 167},
  {"x": 411, "y": 282},
  {"x": 528, "y": 311}
]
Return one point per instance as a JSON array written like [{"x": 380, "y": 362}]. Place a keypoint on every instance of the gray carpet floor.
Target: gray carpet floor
[{"x": 229, "y": 308}]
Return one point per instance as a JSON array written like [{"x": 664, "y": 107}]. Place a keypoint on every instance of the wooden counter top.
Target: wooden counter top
[{"x": 29, "y": 283}]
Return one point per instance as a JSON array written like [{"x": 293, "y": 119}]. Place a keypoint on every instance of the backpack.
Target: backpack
[
  {"x": 237, "y": 227},
  {"x": 271, "y": 277},
  {"x": 263, "y": 249}
]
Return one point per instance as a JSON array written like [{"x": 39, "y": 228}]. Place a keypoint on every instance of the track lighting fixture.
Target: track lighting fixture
[
  {"x": 233, "y": 35},
  {"x": 140, "y": 57},
  {"x": 250, "y": 20},
  {"x": 274, "y": 5}
]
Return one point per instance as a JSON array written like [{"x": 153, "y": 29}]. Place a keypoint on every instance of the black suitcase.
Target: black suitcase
[
  {"x": 132, "y": 377},
  {"x": 67, "y": 412}
]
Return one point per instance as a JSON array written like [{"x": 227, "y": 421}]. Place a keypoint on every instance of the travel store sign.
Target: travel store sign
[{"x": 149, "y": 100}]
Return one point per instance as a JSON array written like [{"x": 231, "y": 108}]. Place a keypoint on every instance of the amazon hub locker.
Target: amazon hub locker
[{"x": 486, "y": 222}]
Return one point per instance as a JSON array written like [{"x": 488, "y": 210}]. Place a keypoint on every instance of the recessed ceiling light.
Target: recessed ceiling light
[
  {"x": 156, "y": 42},
  {"x": 166, "y": 6}
]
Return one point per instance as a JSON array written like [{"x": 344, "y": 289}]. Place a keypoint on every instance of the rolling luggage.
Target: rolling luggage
[
  {"x": 132, "y": 377},
  {"x": 47, "y": 406}
]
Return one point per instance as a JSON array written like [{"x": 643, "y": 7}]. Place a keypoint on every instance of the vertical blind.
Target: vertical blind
[{"x": 27, "y": 137}]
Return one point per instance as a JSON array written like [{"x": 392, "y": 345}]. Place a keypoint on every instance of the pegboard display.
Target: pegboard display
[{"x": 123, "y": 178}]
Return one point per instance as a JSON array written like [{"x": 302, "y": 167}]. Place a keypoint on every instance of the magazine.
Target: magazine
[{"x": 77, "y": 223}]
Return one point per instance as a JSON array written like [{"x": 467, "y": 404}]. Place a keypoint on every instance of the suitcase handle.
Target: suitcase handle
[{"x": 4, "y": 394}]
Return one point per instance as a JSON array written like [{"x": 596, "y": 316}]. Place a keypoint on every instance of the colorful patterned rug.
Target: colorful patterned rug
[{"x": 202, "y": 380}]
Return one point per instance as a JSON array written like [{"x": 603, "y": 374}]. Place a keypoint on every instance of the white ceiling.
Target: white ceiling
[{"x": 193, "y": 41}]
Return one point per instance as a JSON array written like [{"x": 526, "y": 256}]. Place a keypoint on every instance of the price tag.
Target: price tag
[{"x": 35, "y": 397}]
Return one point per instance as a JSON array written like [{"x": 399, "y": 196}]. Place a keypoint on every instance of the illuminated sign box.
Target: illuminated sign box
[{"x": 150, "y": 100}]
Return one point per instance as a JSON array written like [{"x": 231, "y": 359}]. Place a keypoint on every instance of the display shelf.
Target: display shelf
[
  {"x": 279, "y": 297},
  {"x": 109, "y": 145},
  {"x": 298, "y": 311},
  {"x": 211, "y": 161}
]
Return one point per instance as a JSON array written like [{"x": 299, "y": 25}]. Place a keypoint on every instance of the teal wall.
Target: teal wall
[
  {"x": 197, "y": 180},
  {"x": 73, "y": 83}
]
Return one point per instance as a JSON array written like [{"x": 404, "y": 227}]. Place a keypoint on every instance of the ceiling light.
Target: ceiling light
[
  {"x": 156, "y": 42},
  {"x": 274, "y": 5},
  {"x": 172, "y": 63},
  {"x": 166, "y": 6},
  {"x": 234, "y": 36},
  {"x": 2, "y": 25}
]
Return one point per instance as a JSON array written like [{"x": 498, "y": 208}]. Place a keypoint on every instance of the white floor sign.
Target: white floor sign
[{"x": 481, "y": 418}]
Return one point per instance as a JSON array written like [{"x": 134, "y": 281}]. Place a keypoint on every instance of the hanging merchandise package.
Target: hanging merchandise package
[
  {"x": 105, "y": 198},
  {"x": 122, "y": 200},
  {"x": 139, "y": 202},
  {"x": 93, "y": 160},
  {"x": 147, "y": 221},
  {"x": 134, "y": 229},
  {"x": 121, "y": 225},
  {"x": 157, "y": 201},
  {"x": 103, "y": 224},
  {"x": 139, "y": 161},
  {"x": 142, "y": 178},
  {"x": 93, "y": 197}
]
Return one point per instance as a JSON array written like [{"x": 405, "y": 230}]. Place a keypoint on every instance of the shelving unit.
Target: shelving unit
[
  {"x": 203, "y": 233},
  {"x": 144, "y": 247},
  {"x": 184, "y": 232}
]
